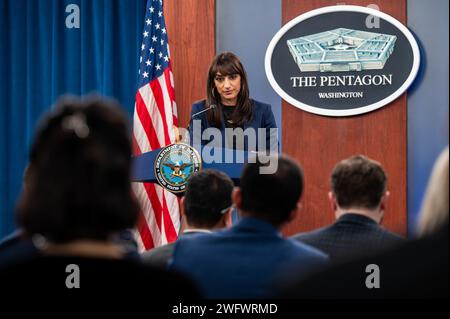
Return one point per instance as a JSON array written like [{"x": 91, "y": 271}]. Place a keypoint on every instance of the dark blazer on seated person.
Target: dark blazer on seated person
[
  {"x": 414, "y": 269},
  {"x": 160, "y": 256},
  {"x": 350, "y": 236},
  {"x": 243, "y": 261},
  {"x": 262, "y": 118}
]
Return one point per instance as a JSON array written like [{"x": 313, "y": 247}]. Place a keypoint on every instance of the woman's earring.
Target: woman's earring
[{"x": 212, "y": 93}]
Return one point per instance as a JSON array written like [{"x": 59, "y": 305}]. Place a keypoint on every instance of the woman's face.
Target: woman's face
[{"x": 228, "y": 87}]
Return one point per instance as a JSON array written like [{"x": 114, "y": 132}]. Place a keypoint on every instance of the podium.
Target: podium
[{"x": 228, "y": 161}]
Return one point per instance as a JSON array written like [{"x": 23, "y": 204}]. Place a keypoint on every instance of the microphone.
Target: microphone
[{"x": 212, "y": 106}]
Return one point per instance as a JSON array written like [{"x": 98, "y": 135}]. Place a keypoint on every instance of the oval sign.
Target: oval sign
[{"x": 342, "y": 60}]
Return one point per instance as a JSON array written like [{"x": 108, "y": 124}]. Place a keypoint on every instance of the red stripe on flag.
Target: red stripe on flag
[
  {"x": 144, "y": 232},
  {"x": 146, "y": 122},
  {"x": 142, "y": 226},
  {"x": 175, "y": 121},
  {"x": 171, "y": 233},
  {"x": 171, "y": 91},
  {"x": 159, "y": 98},
  {"x": 156, "y": 204},
  {"x": 136, "y": 148}
]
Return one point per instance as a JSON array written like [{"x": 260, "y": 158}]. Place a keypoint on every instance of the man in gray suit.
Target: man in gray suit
[
  {"x": 358, "y": 198},
  {"x": 205, "y": 207}
]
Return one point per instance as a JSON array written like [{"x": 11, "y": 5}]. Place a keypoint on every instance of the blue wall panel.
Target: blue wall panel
[{"x": 428, "y": 101}]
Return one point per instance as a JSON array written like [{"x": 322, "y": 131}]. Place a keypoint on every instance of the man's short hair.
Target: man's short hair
[
  {"x": 358, "y": 182},
  {"x": 207, "y": 197},
  {"x": 272, "y": 197}
]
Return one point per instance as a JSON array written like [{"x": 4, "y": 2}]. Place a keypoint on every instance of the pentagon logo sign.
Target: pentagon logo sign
[
  {"x": 342, "y": 50},
  {"x": 330, "y": 62},
  {"x": 174, "y": 164}
]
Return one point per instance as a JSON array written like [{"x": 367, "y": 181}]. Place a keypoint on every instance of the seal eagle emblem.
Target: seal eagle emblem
[{"x": 174, "y": 165}]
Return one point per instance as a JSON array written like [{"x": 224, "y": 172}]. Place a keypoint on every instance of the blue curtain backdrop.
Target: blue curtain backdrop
[{"x": 41, "y": 59}]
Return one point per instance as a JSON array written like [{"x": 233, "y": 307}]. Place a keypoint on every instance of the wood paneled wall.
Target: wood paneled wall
[
  {"x": 319, "y": 142},
  {"x": 191, "y": 33}
]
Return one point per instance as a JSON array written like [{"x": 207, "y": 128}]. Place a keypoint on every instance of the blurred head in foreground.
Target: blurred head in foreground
[
  {"x": 79, "y": 187},
  {"x": 434, "y": 212}
]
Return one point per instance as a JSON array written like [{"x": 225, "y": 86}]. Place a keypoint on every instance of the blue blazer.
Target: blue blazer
[
  {"x": 244, "y": 261},
  {"x": 262, "y": 118}
]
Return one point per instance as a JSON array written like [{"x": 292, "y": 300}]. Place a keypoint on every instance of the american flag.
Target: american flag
[{"x": 155, "y": 119}]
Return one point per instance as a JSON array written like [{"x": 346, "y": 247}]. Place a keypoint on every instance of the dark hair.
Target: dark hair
[
  {"x": 27, "y": 173},
  {"x": 358, "y": 182},
  {"x": 227, "y": 63},
  {"x": 272, "y": 197},
  {"x": 80, "y": 185},
  {"x": 208, "y": 194}
]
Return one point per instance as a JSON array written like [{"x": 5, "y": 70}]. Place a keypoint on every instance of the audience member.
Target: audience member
[
  {"x": 414, "y": 269},
  {"x": 358, "y": 199},
  {"x": 78, "y": 197},
  {"x": 434, "y": 212},
  {"x": 246, "y": 260},
  {"x": 206, "y": 206}
]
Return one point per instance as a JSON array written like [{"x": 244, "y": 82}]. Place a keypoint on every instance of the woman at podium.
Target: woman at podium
[{"x": 228, "y": 117}]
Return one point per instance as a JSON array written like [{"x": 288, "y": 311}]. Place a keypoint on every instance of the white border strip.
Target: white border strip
[{"x": 341, "y": 8}]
